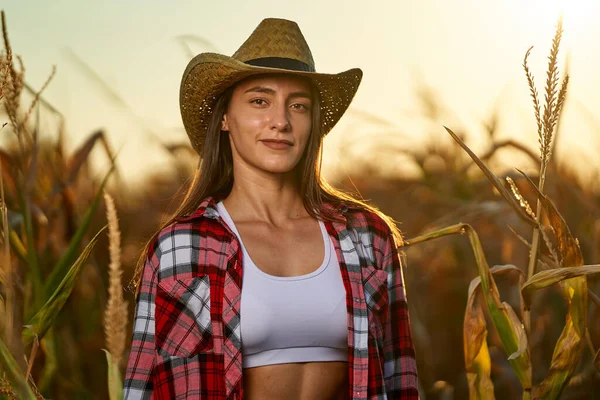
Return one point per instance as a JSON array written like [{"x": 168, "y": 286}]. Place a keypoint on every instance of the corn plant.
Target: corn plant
[
  {"x": 561, "y": 264},
  {"x": 34, "y": 283}
]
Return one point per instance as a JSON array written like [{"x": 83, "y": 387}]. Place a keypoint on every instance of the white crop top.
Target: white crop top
[{"x": 292, "y": 319}]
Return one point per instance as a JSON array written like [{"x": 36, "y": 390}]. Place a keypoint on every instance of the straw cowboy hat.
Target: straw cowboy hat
[{"x": 275, "y": 46}]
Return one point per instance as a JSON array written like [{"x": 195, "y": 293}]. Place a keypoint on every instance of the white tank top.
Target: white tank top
[{"x": 292, "y": 319}]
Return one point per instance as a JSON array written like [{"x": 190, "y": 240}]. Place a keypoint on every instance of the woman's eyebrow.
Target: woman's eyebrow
[
  {"x": 267, "y": 90},
  {"x": 301, "y": 94},
  {"x": 260, "y": 89}
]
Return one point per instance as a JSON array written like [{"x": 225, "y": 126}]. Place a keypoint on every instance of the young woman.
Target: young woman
[{"x": 268, "y": 283}]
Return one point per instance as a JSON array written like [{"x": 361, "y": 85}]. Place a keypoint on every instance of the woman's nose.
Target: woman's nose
[{"x": 280, "y": 118}]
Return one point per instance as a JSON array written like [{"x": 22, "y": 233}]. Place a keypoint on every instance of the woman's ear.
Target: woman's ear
[{"x": 224, "y": 123}]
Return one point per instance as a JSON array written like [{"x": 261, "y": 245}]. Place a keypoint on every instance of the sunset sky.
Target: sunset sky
[{"x": 469, "y": 53}]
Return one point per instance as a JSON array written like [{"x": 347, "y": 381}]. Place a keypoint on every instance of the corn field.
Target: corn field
[{"x": 501, "y": 278}]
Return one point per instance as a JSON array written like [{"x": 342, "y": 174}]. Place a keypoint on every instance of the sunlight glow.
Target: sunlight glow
[{"x": 574, "y": 12}]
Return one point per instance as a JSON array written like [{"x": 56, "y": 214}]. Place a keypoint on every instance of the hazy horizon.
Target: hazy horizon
[{"x": 468, "y": 53}]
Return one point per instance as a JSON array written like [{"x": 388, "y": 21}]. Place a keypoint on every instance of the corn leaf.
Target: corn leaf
[
  {"x": 61, "y": 268},
  {"x": 17, "y": 246},
  {"x": 477, "y": 361},
  {"x": 493, "y": 179},
  {"x": 569, "y": 346},
  {"x": 81, "y": 156},
  {"x": 509, "y": 333},
  {"x": 520, "y": 329},
  {"x": 44, "y": 318},
  {"x": 15, "y": 243},
  {"x": 115, "y": 384},
  {"x": 477, "y": 357},
  {"x": 568, "y": 246},
  {"x": 551, "y": 276},
  {"x": 32, "y": 261},
  {"x": 14, "y": 373}
]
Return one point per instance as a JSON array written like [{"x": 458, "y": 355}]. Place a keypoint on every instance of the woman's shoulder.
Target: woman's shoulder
[
  {"x": 180, "y": 231},
  {"x": 367, "y": 219}
]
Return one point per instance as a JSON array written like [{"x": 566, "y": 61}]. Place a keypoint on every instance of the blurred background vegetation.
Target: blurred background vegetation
[{"x": 424, "y": 188}]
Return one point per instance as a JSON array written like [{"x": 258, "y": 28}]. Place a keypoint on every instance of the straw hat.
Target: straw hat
[{"x": 275, "y": 46}]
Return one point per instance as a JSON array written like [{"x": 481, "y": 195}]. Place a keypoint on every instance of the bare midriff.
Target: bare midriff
[{"x": 297, "y": 381}]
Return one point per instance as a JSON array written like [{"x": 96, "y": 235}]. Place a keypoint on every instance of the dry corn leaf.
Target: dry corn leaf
[
  {"x": 568, "y": 246},
  {"x": 551, "y": 276},
  {"x": 9, "y": 169},
  {"x": 569, "y": 346},
  {"x": 493, "y": 179},
  {"x": 477, "y": 360},
  {"x": 81, "y": 155}
]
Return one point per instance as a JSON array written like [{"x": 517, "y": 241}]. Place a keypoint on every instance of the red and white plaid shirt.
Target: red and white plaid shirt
[{"x": 186, "y": 338}]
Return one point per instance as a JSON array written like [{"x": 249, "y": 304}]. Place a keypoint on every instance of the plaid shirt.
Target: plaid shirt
[{"x": 186, "y": 337}]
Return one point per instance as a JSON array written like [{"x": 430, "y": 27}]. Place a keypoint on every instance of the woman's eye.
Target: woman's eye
[
  {"x": 259, "y": 102},
  {"x": 300, "y": 106}
]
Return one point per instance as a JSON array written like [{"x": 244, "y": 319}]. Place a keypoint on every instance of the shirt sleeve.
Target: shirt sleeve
[
  {"x": 400, "y": 367},
  {"x": 140, "y": 367}
]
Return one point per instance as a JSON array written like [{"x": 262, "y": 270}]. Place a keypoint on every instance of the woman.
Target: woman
[{"x": 268, "y": 283}]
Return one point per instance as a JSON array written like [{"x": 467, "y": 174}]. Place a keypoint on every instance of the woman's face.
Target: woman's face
[{"x": 269, "y": 122}]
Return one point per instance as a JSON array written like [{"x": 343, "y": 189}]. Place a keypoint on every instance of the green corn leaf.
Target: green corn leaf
[
  {"x": 477, "y": 362},
  {"x": 14, "y": 374},
  {"x": 61, "y": 268},
  {"x": 44, "y": 318},
  {"x": 32, "y": 260},
  {"x": 510, "y": 333},
  {"x": 115, "y": 384}
]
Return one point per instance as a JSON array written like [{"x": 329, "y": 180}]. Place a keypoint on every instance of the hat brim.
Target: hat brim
[{"x": 209, "y": 74}]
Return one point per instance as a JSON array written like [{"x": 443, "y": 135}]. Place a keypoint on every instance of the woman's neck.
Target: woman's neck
[{"x": 256, "y": 201}]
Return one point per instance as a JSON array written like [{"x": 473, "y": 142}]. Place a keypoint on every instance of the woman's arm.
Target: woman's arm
[
  {"x": 140, "y": 368},
  {"x": 400, "y": 367}
]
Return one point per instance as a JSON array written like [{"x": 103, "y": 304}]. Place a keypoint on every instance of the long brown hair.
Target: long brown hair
[{"x": 214, "y": 177}]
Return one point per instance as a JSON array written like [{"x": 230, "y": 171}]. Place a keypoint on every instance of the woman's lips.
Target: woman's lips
[{"x": 276, "y": 145}]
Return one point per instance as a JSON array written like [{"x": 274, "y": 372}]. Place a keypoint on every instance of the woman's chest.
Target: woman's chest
[{"x": 285, "y": 252}]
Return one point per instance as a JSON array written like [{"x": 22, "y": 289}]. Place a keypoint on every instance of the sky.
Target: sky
[{"x": 469, "y": 53}]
